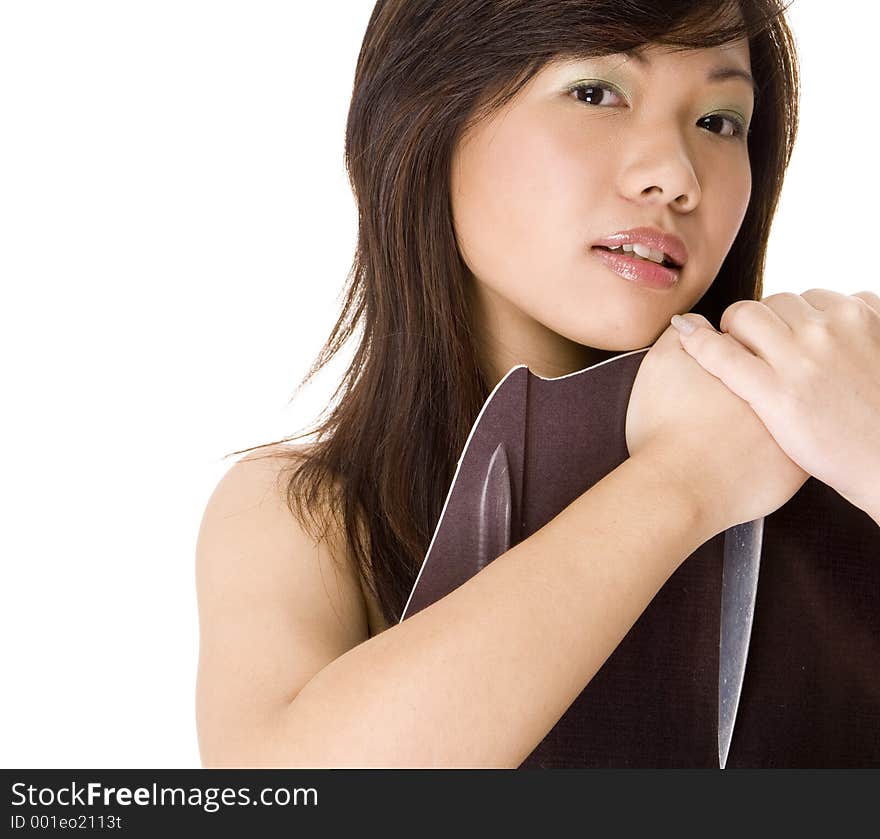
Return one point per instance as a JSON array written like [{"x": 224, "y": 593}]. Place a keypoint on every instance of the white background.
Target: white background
[{"x": 175, "y": 230}]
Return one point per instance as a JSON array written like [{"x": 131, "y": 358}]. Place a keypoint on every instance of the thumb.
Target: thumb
[
  {"x": 689, "y": 323},
  {"x": 720, "y": 354}
]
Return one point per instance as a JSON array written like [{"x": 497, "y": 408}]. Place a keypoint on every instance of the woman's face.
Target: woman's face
[{"x": 648, "y": 143}]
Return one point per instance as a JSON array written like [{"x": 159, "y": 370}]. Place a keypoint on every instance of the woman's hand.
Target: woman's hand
[
  {"x": 686, "y": 423},
  {"x": 809, "y": 366}
]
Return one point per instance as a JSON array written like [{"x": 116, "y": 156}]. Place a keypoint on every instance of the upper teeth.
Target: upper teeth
[{"x": 643, "y": 251}]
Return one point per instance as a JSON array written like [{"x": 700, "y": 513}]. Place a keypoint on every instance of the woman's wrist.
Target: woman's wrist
[{"x": 680, "y": 477}]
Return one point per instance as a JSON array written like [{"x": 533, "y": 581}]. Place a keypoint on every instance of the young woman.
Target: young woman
[{"x": 491, "y": 145}]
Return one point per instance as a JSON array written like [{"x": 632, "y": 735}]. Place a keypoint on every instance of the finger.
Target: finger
[
  {"x": 722, "y": 355},
  {"x": 759, "y": 328},
  {"x": 790, "y": 307},
  {"x": 843, "y": 306},
  {"x": 870, "y": 298},
  {"x": 822, "y": 298}
]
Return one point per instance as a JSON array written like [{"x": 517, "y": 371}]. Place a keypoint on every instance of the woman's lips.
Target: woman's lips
[{"x": 637, "y": 270}]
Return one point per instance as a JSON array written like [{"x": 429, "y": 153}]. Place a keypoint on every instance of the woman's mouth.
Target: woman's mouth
[{"x": 639, "y": 270}]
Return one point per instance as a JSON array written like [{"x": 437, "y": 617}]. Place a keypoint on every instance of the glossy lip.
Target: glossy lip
[
  {"x": 639, "y": 271},
  {"x": 653, "y": 237}
]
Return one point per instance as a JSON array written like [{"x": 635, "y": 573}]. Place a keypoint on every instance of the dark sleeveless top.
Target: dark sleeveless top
[{"x": 811, "y": 692}]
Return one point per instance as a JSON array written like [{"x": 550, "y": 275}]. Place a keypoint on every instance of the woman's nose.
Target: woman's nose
[{"x": 660, "y": 172}]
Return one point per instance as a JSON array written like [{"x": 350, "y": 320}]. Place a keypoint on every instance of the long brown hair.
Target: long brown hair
[{"x": 384, "y": 457}]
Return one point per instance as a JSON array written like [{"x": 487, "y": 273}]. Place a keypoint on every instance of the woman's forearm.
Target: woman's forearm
[{"x": 479, "y": 677}]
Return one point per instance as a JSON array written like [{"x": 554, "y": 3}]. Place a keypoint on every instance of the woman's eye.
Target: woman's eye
[
  {"x": 592, "y": 91},
  {"x": 594, "y": 94},
  {"x": 737, "y": 126}
]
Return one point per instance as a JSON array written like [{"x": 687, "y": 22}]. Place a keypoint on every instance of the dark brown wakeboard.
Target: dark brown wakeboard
[{"x": 810, "y": 695}]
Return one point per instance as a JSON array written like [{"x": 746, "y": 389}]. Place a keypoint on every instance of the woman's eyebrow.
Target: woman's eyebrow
[
  {"x": 724, "y": 73},
  {"x": 715, "y": 74}
]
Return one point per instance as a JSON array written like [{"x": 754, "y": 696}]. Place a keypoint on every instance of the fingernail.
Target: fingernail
[{"x": 683, "y": 325}]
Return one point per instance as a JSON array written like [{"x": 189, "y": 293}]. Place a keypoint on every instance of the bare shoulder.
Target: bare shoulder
[
  {"x": 275, "y": 607},
  {"x": 375, "y": 618},
  {"x": 275, "y": 469}
]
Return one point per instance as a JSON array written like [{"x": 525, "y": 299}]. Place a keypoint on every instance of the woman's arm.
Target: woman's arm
[{"x": 478, "y": 678}]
